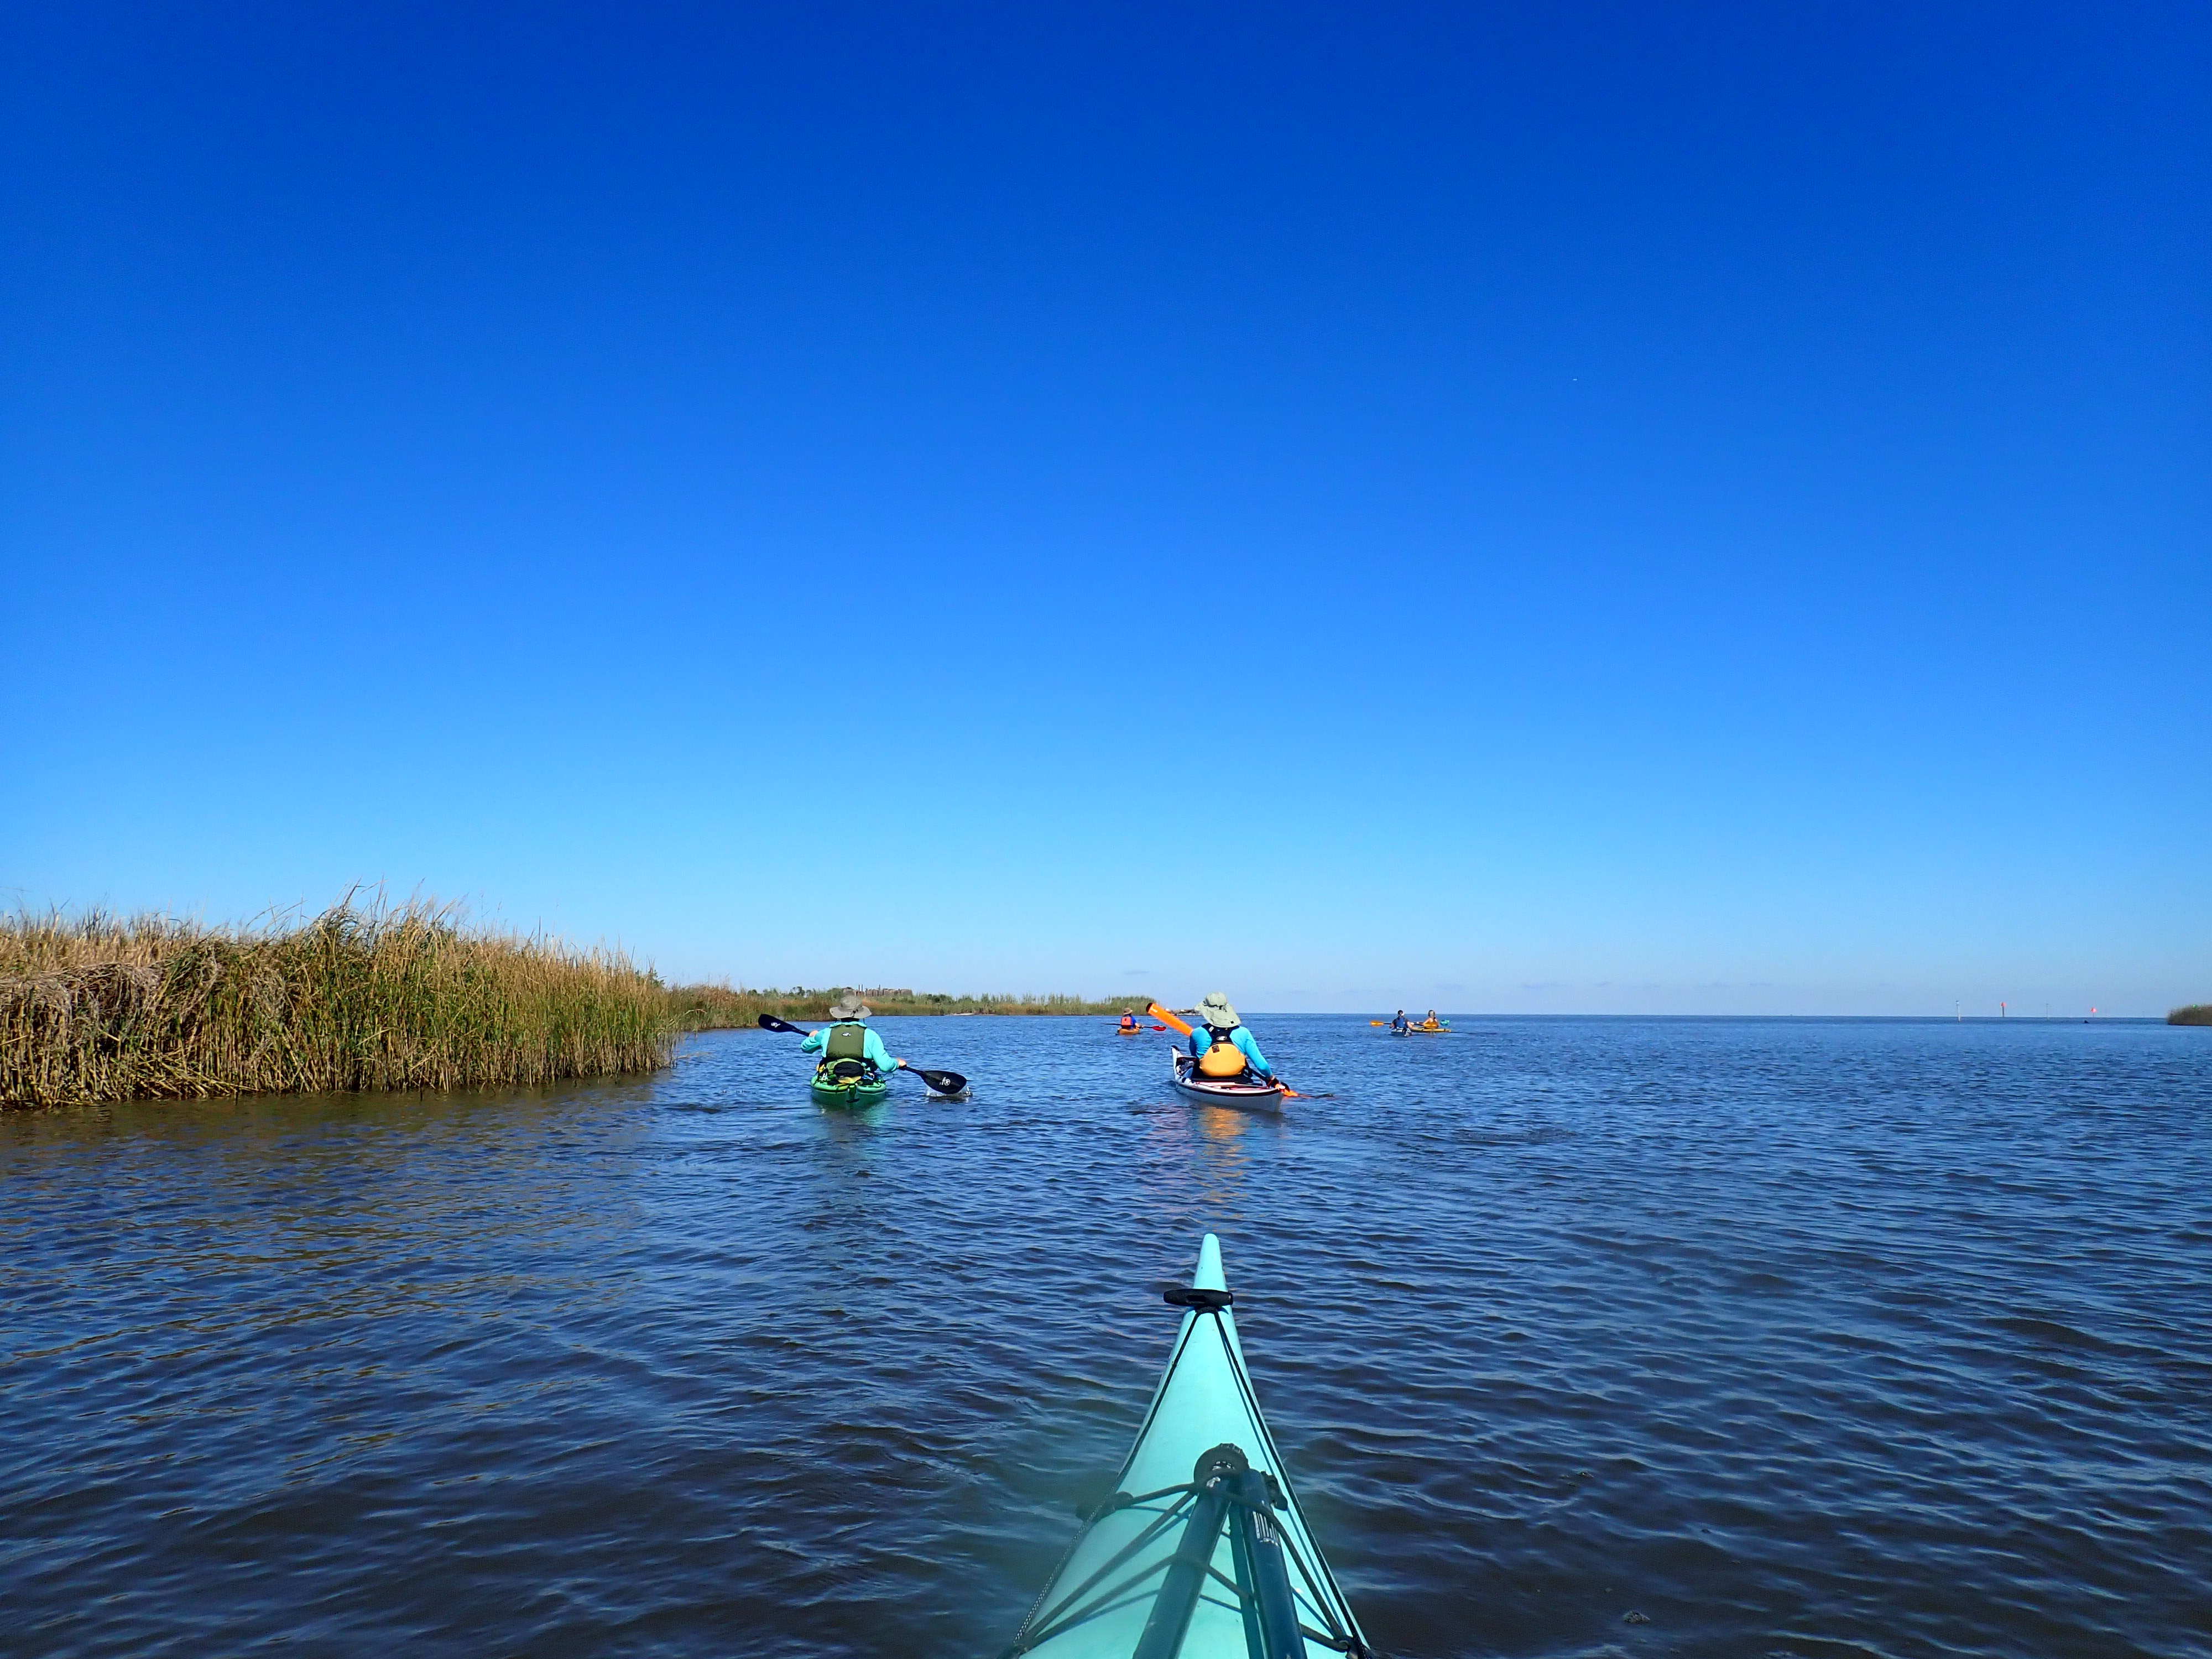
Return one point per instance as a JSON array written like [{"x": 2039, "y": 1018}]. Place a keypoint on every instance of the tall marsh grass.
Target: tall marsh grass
[
  {"x": 101, "y": 1007},
  {"x": 2196, "y": 1013}
]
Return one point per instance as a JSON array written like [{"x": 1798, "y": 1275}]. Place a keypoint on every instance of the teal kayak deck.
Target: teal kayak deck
[{"x": 1203, "y": 1552}]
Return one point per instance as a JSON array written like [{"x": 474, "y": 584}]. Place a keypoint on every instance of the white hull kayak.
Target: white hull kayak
[
  {"x": 1214, "y": 1091},
  {"x": 1202, "y": 1551}
]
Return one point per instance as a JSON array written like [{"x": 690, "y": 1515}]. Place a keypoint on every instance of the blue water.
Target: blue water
[{"x": 1794, "y": 1338}]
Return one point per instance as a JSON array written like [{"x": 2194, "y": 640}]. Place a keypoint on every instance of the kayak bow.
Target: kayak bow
[{"x": 1202, "y": 1551}]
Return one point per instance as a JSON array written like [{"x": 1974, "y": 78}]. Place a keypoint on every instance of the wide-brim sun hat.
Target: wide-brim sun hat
[
  {"x": 849, "y": 1011},
  {"x": 1214, "y": 1008}
]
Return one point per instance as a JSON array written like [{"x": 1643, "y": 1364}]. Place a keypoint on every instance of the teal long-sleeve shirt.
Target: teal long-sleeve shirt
[
  {"x": 870, "y": 1045},
  {"x": 1201, "y": 1040}
]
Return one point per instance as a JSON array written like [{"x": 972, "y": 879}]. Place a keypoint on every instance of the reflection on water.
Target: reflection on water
[
  {"x": 1222, "y": 1126},
  {"x": 1193, "y": 1151},
  {"x": 1796, "y": 1338}
]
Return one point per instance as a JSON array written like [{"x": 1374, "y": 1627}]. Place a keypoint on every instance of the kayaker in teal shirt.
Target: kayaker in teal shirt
[
  {"x": 1217, "y": 1023},
  {"x": 872, "y": 1046}
]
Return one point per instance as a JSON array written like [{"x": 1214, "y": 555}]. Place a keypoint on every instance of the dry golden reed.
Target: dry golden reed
[{"x": 365, "y": 996}]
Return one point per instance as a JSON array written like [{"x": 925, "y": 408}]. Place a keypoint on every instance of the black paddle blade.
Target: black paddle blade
[
  {"x": 770, "y": 1022},
  {"x": 944, "y": 1083}
]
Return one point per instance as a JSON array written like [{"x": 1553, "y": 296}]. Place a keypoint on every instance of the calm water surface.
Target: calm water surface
[{"x": 1795, "y": 1338}]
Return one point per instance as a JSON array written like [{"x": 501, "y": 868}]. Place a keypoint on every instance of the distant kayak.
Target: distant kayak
[
  {"x": 1246, "y": 1092},
  {"x": 1131, "y": 1030},
  {"x": 866, "y": 1089},
  {"x": 1202, "y": 1551}
]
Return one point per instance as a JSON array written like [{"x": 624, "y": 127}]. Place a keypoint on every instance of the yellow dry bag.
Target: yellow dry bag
[{"x": 1223, "y": 1059}]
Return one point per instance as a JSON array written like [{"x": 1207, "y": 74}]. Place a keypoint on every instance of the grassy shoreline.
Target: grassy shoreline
[
  {"x": 103, "y": 1008},
  {"x": 719, "y": 1007},
  {"x": 2194, "y": 1013},
  {"x": 100, "y": 1007}
]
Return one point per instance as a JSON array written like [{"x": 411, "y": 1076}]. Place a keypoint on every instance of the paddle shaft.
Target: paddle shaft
[
  {"x": 1252, "y": 1524},
  {"x": 1177, "y": 1597}
]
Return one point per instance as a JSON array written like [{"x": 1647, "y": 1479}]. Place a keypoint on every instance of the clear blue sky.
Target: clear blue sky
[{"x": 1558, "y": 507}]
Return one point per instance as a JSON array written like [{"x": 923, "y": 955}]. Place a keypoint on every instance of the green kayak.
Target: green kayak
[
  {"x": 1202, "y": 1552},
  {"x": 837, "y": 1086}
]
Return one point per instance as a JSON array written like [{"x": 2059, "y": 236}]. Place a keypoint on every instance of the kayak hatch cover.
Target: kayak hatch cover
[{"x": 1202, "y": 1551}]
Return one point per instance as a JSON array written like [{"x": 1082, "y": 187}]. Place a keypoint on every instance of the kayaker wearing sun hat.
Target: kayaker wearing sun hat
[
  {"x": 850, "y": 1039},
  {"x": 1220, "y": 1042}
]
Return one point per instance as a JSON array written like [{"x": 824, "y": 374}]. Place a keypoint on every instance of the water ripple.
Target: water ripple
[{"x": 1788, "y": 1338}]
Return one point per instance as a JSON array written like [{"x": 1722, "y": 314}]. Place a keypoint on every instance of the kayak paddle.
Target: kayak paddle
[{"x": 944, "y": 1083}]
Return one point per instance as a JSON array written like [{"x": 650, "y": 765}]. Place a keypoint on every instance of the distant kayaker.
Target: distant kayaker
[
  {"x": 850, "y": 1038},
  {"x": 1220, "y": 1044},
  {"x": 1128, "y": 1019},
  {"x": 1398, "y": 1021}
]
